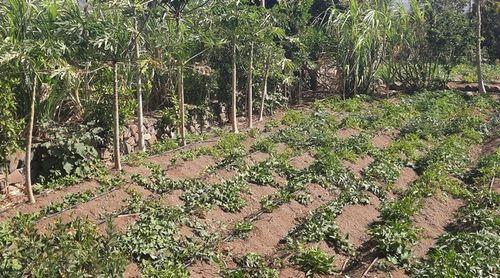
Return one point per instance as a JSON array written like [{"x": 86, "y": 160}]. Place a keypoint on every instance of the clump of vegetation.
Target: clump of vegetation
[
  {"x": 158, "y": 182},
  {"x": 252, "y": 265},
  {"x": 75, "y": 248},
  {"x": 314, "y": 261},
  {"x": 243, "y": 228},
  {"x": 68, "y": 201}
]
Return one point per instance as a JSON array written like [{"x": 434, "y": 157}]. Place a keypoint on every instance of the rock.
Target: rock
[
  {"x": 16, "y": 160},
  {"x": 152, "y": 140},
  {"x": 493, "y": 88},
  {"x": 131, "y": 141},
  {"x": 133, "y": 128},
  {"x": 129, "y": 148},
  {"x": 15, "y": 191},
  {"x": 126, "y": 134},
  {"x": 469, "y": 87},
  {"x": 16, "y": 177},
  {"x": 147, "y": 136},
  {"x": 107, "y": 154}
]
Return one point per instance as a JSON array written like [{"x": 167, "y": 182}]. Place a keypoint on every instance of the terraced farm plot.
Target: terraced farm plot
[{"x": 359, "y": 188}]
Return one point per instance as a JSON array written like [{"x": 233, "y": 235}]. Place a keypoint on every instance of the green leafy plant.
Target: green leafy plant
[
  {"x": 252, "y": 265},
  {"x": 243, "y": 228},
  {"x": 314, "y": 261},
  {"x": 70, "y": 151}
]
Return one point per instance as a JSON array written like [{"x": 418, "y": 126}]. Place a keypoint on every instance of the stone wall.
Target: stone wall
[{"x": 15, "y": 170}]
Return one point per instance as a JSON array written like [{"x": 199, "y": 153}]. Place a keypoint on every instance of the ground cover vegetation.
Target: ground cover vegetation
[
  {"x": 168, "y": 240},
  {"x": 364, "y": 182}
]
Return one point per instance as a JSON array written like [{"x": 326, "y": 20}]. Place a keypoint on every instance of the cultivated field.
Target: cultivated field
[{"x": 403, "y": 186}]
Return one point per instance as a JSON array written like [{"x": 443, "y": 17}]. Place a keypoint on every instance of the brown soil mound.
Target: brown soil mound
[
  {"x": 303, "y": 161},
  {"x": 358, "y": 166},
  {"x": 435, "y": 216},
  {"x": 345, "y": 133},
  {"x": 381, "y": 141},
  {"x": 51, "y": 197},
  {"x": 355, "y": 220},
  {"x": 406, "y": 177}
]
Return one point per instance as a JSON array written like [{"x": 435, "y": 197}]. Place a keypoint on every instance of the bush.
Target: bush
[
  {"x": 427, "y": 42},
  {"x": 69, "y": 150},
  {"x": 74, "y": 249}
]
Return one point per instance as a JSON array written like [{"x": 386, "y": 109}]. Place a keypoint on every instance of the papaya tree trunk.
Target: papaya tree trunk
[
  {"x": 140, "y": 113},
  {"x": 4, "y": 187},
  {"x": 234, "y": 121},
  {"x": 116, "y": 126},
  {"x": 29, "y": 141},
  {"x": 250, "y": 90},
  {"x": 264, "y": 91},
  {"x": 480, "y": 80},
  {"x": 180, "y": 95}
]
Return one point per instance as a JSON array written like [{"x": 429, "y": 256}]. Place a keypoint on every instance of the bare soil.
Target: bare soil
[{"x": 437, "y": 213}]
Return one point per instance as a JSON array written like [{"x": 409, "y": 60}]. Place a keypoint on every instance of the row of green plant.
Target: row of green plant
[
  {"x": 470, "y": 249},
  {"x": 396, "y": 234}
]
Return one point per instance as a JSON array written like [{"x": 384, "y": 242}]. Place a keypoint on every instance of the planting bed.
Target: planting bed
[{"x": 360, "y": 188}]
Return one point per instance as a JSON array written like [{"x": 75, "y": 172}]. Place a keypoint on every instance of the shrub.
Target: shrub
[{"x": 69, "y": 150}]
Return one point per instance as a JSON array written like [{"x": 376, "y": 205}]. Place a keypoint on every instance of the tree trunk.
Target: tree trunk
[
  {"x": 480, "y": 81},
  {"x": 4, "y": 188},
  {"x": 300, "y": 87},
  {"x": 140, "y": 113},
  {"x": 116, "y": 127},
  {"x": 29, "y": 188},
  {"x": 250, "y": 90},
  {"x": 263, "y": 3},
  {"x": 234, "y": 121},
  {"x": 264, "y": 92},
  {"x": 180, "y": 95}
]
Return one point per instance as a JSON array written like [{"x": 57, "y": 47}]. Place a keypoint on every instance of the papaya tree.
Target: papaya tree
[
  {"x": 480, "y": 79},
  {"x": 227, "y": 15},
  {"x": 32, "y": 50},
  {"x": 113, "y": 41}
]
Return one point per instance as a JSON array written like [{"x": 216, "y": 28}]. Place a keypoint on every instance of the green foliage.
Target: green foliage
[
  {"x": 384, "y": 168},
  {"x": 158, "y": 182},
  {"x": 152, "y": 237},
  {"x": 252, "y": 265},
  {"x": 57, "y": 183},
  {"x": 427, "y": 41},
  {"x": 394, "y": 239},
  {"x": 468, "y": 72},
  {"x": 162, "y": 146},
  {"x": 243, "y": 228},
  {"x": 321, "y": 224},
  {"x": 488, "y": 167},
  {"x": 480, "y": 213},
  {"x": 462, "y": 255},
  {"x": 360, "y": 35},
  {"x": 227, "y": 195},
  {"x": 68, "y": 201},
  {"x": 265, "y": 145},
  {"x": 70, "y": 151},
  {"x": 262, "y": 173},
  {"x": 314, "y": 261},
  {"x": 74, "y": 249},
  {"x": 10, "y": 127}
]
